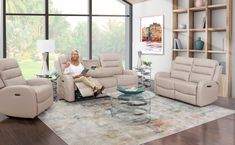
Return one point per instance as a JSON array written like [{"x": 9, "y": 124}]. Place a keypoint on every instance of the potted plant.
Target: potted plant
[{"x": 147, "y": 63}]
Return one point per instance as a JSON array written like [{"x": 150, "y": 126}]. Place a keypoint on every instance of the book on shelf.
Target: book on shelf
[{"x": 177, "y": 44}]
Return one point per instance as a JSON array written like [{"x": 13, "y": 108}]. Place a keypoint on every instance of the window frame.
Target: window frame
[{"x": 89, "y": 15}]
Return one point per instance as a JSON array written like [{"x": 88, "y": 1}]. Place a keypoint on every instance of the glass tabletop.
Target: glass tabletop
[{"x": 146, "y": 95}]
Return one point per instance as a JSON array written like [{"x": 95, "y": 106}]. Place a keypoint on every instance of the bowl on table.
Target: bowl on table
[{"x": 133, "y": 90}]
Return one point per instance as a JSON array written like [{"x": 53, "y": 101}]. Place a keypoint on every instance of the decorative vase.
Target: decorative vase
[
  {"x": 199, "y": 44},
  {"x": 199, "y": 3},
  {"x": 182, "y": 26},
  {"x": 139, "y": 62}
]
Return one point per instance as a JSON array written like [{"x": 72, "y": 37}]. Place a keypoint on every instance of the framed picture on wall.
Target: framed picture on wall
[{"x": 152, "y": 35}]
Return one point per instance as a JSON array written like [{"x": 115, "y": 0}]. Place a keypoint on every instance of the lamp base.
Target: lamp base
[{"x": 44, "y": 70}]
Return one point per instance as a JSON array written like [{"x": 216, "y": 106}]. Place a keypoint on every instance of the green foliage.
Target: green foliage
[
  {"x": 23, "y": 32},
  {"x": 147, "y": 63}
]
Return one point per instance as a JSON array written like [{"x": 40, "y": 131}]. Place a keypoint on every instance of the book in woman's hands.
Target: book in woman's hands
[{"x": 84, "y": 71}]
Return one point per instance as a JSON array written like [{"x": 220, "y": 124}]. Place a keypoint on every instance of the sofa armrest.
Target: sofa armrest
[
  {"x": 207, "y": 92},
  {"x": 129, "y": 72},
  {"x": 39, "y": 81},
  {"x": 18, "y": 101},
  {"x": 162, "y": 74},
  {"x": 68, "y": 86}
]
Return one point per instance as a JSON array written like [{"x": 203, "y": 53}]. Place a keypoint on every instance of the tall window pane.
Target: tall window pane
[
  {"x": 110, "y": 7},
  {"x": 25, "y": 6},
  {"x": 68, "y": 6},
  {"x": 70, "y": 32},
  {"x": 22, "y": 33},
  {"x": 110, "y": 35}
]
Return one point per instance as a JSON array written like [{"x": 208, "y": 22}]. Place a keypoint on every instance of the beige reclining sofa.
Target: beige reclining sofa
[
  {"x": 20, "y": 97},
  {"x": 111, "y": 74},
  {"x": 191, "y": 80}
]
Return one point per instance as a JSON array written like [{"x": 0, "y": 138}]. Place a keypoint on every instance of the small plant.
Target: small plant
[{"x": 147, "y": 63}]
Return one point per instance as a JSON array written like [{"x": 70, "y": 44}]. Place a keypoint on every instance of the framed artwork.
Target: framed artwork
[{"x": 152, "y": 35}]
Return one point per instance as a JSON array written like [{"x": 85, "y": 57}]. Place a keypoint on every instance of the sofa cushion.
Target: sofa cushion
[
  {"x": 164, "y": 82},
  {"x": 203, "y": 69},
  {"x": 101, "y": 72},
  {"x": 185, "y": 97},
  {"x": 63, "y": 59},
  {"x": 90, "y": 63},
  {"x": 186, "y": 87},
  {"x": 112, "y": 61},
  {"x": 126, "y": 80},
  {"x": 181, "y": 68},
  {"x": 10, "y": 72},
  {"x": 43, "y": 92},
  {"x": 108, "y": 82},
  {"x": 165, "y": 92}
]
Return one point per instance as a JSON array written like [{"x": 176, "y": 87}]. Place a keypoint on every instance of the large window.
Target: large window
[{"x": 91, "y": 26}]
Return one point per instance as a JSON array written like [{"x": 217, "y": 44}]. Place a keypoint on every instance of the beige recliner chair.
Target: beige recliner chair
[
  {"x": 65, "y": 83},
  {"x": 191, "y": 80},
  {"x": 20, "y": 97}
]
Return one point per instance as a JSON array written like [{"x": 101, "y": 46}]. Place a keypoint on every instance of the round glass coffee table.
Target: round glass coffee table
[{"x": 132, "y": 108}]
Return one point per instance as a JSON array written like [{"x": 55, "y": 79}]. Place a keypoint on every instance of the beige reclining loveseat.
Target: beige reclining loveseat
[
  {"x": 20, "y": 97},
  {"x": 111, "y": 74},
  {"x": 191, "y": 80}
]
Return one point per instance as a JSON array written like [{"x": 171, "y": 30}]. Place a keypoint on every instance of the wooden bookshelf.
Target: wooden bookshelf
[
  {"x": 180, "y": 50},
  {"x": 195, "y": 9},
  {"x": 216, "y": 29},
  {"x": 198, "y": 51},
  {"x": 197, "y": 30},
  {"x": 217, "y": 51},
  {"x": 180, "y": 11},
  {"x": 209, "y": 51},
  {"x": 180, "y": 30},
  {"x": 217, "y": 6}
]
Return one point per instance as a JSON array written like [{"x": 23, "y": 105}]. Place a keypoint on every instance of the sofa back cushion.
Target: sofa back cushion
[
  {"x": 112, "y": 62},
  {"x": 181, "y": 68},
  {"x": 62, "y": 60},
  {"x": 203, "y": 69},
  {"x": 10, "y": 72},
  {"x": 90, "y": 63}
]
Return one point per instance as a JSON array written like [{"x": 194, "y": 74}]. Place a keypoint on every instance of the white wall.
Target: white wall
[
  {"x": 160, "y": 7},
  {"x": 153, "y": 8},
  {"x": 1, "y": 31}
]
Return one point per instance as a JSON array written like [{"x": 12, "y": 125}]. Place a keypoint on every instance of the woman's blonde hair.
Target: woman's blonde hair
[{"x": 75, "y": 50}]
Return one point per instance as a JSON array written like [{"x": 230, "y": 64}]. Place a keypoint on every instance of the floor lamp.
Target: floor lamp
[{"x": 45, "y": 46}]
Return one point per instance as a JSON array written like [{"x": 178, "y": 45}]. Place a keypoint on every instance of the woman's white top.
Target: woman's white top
[{"x": 74, "y": 70}]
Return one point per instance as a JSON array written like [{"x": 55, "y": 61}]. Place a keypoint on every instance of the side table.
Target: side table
[{"x": 144, "y": 76}]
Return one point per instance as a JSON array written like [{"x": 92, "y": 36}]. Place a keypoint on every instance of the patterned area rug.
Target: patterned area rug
[{"x": 90, "y": 122}]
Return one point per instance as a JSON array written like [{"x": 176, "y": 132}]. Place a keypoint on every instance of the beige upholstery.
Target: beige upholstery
[
  {"x": 181, "y": 68},
  {"x": 192, "y": 80},
  {"x": 20, "y": 97},
  {"x": 110, "y": 75},
  {"x": 112, "y": 62}
]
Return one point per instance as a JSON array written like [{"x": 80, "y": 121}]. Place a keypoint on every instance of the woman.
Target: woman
[{"x": 75, "y": 68}]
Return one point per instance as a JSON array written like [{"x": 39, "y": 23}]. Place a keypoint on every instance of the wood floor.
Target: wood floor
[{"x": 34, "y": 132}]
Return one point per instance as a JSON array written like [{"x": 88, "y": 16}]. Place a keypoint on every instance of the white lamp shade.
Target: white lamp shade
[{"x": 46, "y": 45}]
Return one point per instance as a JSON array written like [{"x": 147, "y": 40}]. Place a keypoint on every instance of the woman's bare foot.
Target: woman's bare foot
[{"x": 95, "y": 89}]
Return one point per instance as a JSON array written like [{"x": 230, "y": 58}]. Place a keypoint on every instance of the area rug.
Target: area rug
[{"x": 90, "y": 122}]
